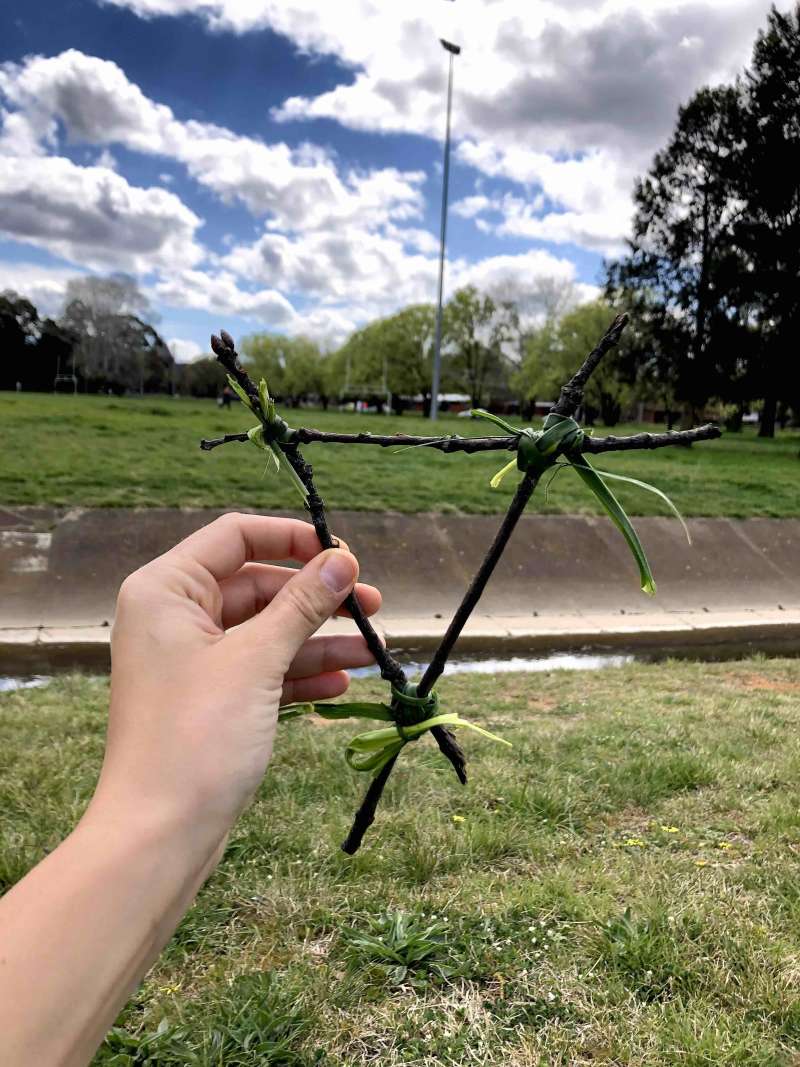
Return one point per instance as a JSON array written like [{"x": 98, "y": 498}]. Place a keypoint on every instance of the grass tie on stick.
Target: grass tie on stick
[{"x": 413, "y": 710}]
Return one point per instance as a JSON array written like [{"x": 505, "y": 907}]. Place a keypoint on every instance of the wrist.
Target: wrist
[{"x": 187, "y": 847}]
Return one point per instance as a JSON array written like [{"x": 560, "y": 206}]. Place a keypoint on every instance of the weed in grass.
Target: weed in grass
[
  {"x": 403, "y": 948},
  {"x": 642, "y": 952},
  {"x": 252, "y": 1022}
]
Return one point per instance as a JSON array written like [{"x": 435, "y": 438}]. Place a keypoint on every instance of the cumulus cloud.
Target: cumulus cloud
[
  {"x": 567, "y": 84},
  {"x": 44, "y": 286},
  {"x": 558, "y": 105},
  {"x": 185, "y": 350},
  {"x": 298, "y": 188},
  {"x": 93, "y": 216}
]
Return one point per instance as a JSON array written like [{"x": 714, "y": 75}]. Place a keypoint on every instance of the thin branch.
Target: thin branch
[
  {"x": 390, "y": 669},
  {"x": 595, "y": 445},
  {"x": 572, "y": 393},
  {"x": 229, "y": 438},
  {"x": 469, "y": 603},
  {"x": 642, "y": 441},
  {"x": 448, "y": 443}
]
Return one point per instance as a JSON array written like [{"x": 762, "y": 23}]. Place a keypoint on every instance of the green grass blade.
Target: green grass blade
[
  {"x": 295, "y": 477},
  {"x": 498, "y": 478},
  {"x": 651, "y": 489},
  {"x": 479, "y": 413},
  {"x": 616, "y": 513},
  {"x": 245, "y": 399}
]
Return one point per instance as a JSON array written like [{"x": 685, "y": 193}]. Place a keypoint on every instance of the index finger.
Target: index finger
[{"x": 225, "y": 545}]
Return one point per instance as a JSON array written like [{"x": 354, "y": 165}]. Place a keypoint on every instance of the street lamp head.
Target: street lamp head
[{"x": 454, "y": 49}]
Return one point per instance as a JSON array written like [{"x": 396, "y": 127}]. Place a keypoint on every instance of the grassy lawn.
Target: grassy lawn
[
  {"x": 621, "y": 887},
  {"x": 101, "y": 451}
]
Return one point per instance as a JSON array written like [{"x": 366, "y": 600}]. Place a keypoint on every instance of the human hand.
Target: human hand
[{"x": 193, "y": 702}]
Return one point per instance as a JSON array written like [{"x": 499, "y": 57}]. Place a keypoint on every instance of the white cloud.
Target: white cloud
[
  {"x": 106, "y": 159},
  {"x": 93, "y": 216},
  {"x": 332, "y": 265},
  {"x": 43, "y": 286},
  {"x": 471, "y": 206},
  {"x": 297, "y": 188},
  {"x": 568, "y": 98},
  {"x": 219, "y": 293},
  {"x": 184, "y": 350}
]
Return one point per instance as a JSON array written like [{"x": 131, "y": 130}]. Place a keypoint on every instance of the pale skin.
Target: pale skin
[{"x": 193, "y": 712}]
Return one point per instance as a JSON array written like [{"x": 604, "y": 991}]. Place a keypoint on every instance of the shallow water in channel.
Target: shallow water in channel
[{"x": 559, "y": 661}]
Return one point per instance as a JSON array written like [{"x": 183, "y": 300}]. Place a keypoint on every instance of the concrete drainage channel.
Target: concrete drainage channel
[{"x": 736, "y": 591}]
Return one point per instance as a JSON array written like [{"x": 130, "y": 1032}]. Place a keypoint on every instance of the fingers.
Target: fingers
[
  {"x": 255, "y": 585},
  {"x": 322, "y": 655},
  {"x": 224, "y": 546},
  {"x": 300, "y": 607},
  {"x": 322, "y": 687}
]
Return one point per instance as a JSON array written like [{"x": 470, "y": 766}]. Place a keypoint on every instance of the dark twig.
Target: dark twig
[
  {"x": 448, "y": 443},
  {"x": 641, "y": 441},
  {"x": 365, "y": 816},
  {"x": 572, "y": 393},
  {"x": 595, "y": 445},
  {"x": 467, "y": 606},
  {"x": 228, "y": 439},
  {"x": 391, "y": 670}
]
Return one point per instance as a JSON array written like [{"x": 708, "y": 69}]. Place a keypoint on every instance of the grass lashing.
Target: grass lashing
[
  {"x": 622, "y": 887},
  {"x": 105, "y": 451}
]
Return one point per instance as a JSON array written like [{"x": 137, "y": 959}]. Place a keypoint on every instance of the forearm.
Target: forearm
[{"x": 80, "y": 931}]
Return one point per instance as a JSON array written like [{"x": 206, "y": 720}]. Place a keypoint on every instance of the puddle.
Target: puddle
[
  {"x": 9, "y": 684},
  {"x": 562, "y": 661}
]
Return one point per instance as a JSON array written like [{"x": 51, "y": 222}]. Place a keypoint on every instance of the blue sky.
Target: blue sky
[{"x": 276, "y": 164}]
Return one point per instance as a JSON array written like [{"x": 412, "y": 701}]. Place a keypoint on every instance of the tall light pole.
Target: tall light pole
[{"x": 453, "y": 50}]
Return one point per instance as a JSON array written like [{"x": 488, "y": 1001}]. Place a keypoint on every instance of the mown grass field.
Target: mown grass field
[
  {"x": 621, "y": 887},
  {"x": 103, "y": 451}
]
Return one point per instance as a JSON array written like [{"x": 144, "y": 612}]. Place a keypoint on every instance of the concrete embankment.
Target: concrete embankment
[{"x": 565, "y": 583}]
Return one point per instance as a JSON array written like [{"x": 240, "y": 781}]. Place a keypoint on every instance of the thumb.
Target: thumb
[{"x": 305, "y": 602}]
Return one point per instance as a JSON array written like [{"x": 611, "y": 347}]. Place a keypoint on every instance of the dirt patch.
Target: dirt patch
[{"x": 771, "y": 685}]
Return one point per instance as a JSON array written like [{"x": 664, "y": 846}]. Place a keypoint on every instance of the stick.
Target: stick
[{"x": 471, "y": 445}]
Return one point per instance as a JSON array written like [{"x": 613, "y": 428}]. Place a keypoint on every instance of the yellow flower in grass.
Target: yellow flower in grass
[
  {"x": 458, "y": 818},
  {"x": 636, "y": 842},
  {"x": 670, "y": 829}
]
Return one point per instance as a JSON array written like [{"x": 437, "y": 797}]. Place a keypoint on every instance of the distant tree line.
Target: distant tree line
[{"x": 103, "y": 340}]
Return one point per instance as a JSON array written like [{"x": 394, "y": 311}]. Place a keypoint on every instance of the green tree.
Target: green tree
[
  {"x": 768, "y": 229},
  {"x": 392, "y": 353},
  {"x": 304, "y": 371},
  {"x": 555, "y": 352},
  {"x": 202, "y": 377},
  {"x": 19, "y": 332},
  {"x": 116, "y": 346},
  {"x": 474, "y": 332},
  {"x": 265, "y": 355},
  {"x": 676, "y": 276}
]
